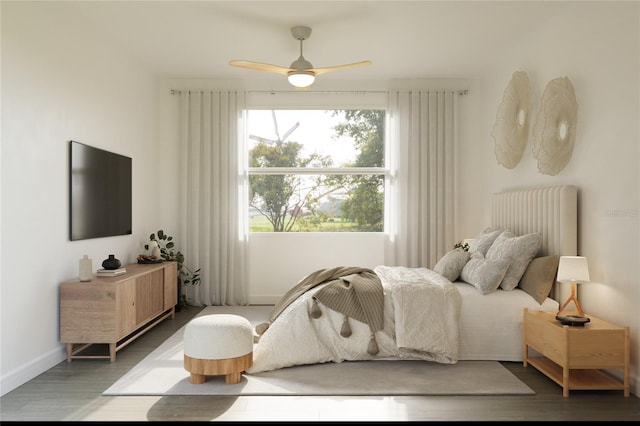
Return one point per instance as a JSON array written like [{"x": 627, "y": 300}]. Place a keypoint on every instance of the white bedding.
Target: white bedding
[
  {"x": 421, "y": 313},
  {"x": 463, "y": 324},
  {"x": 491, "y": 325}
]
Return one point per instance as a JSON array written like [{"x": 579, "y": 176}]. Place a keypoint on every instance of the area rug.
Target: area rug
[{"x": 162, "y": 373}]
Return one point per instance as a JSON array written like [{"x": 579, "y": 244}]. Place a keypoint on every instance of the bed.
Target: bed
[{"x": 469, "y": 306}]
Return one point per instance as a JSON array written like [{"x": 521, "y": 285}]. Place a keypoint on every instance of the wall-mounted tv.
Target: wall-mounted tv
[{"x": 99, "y": 192}]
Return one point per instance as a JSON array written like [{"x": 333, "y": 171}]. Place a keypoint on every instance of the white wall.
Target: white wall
[
  {"x": 60, "y": 82},
  {"x": 596, "y": 45},
  {"x": 278, "y": 261}
]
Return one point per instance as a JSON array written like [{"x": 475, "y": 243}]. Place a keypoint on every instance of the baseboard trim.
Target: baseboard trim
[{"x": 24, "y": 373}]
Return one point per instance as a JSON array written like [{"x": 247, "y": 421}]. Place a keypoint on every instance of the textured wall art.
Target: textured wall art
[
  {"x": 511, "y": 129},
  {"x": 554, "y": 132}
]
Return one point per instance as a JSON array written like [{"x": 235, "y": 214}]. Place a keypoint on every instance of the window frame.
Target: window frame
[{"x": 323, "y": 101}]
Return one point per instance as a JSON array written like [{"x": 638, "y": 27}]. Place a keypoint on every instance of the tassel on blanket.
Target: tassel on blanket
[
  {"x": 315, "y": 310},
  {"x": 261, "y": 328},
  {"x": 373, "y": 346},
  {"x": 345, "y": 331}
]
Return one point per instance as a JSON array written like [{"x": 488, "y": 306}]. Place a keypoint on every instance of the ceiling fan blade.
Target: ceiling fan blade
[
  {"x": 300, "y": 73},
  {"x": 319, "y": 71},
  {"x": 259, "y": 66}
]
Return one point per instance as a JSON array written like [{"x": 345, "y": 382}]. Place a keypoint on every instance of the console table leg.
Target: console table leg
[
  {"x": 69, "y": 351},
  {"x": 112, "y": 352},
  {"x": 565, "y": 381}
]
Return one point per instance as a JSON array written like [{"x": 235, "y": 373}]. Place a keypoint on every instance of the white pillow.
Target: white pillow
[
  {"x": 483, "y": 240},
  {"x": 451, "y": 264},
  {"x": 484, "y": 274},
  {"x": 518, "y": 251}
]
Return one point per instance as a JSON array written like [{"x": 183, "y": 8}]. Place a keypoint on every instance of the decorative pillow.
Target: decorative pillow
[
  {"x": 484, "y": 240},
  {"x": 539, "y": 277},
  {"x": 451, "y": 264},
  {"x": 484, "y": 274},
  {"x": 518, "y": 251}
]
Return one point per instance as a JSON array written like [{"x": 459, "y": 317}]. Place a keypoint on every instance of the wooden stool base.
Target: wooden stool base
[{"x": 230, "y": 368}]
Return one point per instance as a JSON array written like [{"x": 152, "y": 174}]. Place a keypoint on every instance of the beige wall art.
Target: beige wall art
[
  {"x": 511, "y": 129},
  {"x": 554, "y": 132}
]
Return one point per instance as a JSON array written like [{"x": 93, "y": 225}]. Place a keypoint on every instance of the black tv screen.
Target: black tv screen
[{"x": 99, "y": 192}]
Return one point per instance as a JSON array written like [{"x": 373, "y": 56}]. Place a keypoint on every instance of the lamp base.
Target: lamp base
[
  {"x": 573, "y": 320},
  {"x": 574, "y": 299}
]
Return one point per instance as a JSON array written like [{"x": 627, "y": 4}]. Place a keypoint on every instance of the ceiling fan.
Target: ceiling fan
[{"x": 300, "y": 73}]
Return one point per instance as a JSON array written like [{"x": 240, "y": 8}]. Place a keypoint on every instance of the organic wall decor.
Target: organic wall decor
[
  {"x": 554, "y": 132},
  {"x": 511, "y": 128}
]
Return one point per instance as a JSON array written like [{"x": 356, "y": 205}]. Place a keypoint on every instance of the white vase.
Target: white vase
[
  {"x": 155, "y": 250},
  {"x": 86, "y": 268}
]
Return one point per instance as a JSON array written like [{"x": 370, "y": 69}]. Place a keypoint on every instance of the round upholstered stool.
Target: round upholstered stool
[{"x": 216, "y": 345}]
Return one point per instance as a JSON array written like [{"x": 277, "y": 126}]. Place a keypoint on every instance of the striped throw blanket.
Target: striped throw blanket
[
  {"x": 355, "y": 292},
  {"x": 357, "y": 296}
]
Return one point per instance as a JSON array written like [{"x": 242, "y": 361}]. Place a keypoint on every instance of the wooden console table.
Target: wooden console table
[{"x": 116, "y": 310}]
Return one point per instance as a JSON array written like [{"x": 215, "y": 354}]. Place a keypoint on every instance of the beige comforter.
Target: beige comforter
[{"x": 421, "y": 310}]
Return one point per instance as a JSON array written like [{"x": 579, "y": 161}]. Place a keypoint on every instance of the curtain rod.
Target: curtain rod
[
  {"x": 274, "y": 92},
  {"x": 460, "y": 92}
]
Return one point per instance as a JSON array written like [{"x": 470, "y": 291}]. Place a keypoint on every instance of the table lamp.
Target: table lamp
[{"x": 572, "y": 269}]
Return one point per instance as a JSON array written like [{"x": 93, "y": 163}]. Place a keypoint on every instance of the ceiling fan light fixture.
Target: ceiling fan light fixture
[
  {"x": 301, "y": 78},
  {"x": 300, "y": 73}
]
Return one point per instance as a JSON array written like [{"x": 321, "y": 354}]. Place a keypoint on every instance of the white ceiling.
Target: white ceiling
[{"x": 403, "y": 39}]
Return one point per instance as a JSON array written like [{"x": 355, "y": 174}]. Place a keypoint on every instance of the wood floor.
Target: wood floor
[{"x": 73, "y": 392}]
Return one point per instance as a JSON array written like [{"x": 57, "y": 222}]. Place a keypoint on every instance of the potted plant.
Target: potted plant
[{"x": 167, "y": 252}]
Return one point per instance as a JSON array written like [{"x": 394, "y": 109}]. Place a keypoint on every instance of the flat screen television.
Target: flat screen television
[{"x": 99, "y": 192}]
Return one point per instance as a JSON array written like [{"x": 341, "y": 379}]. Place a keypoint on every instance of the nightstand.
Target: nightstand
[{"x": 575, "y": 356}]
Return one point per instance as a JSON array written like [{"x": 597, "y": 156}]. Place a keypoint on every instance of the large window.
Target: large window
[{"x": 316, "y": 170}]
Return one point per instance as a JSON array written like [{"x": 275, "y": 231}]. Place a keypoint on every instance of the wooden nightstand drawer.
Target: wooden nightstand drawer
[{"x": 574, "y": 356}]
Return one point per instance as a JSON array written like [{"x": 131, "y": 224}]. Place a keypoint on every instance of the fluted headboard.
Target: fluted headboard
[{"x": 552, "y": 211}]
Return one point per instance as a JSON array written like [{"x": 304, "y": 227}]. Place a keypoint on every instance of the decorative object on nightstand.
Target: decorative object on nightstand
[
  {"x": 111, "y": 262},
  {"x": 86, "y": 268},
  {"x": 573, "y": 269},
  {"x": 572, "y": 320}
]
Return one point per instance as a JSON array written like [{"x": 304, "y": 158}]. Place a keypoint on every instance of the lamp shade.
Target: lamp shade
[
  {"x": 573, "y": 269},
  {"x": 301, "y": 78}
]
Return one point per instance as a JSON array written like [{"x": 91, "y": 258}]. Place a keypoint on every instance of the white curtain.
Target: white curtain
[
  {"x": 213, "y": 195},
  {"x": 420, "y": 192}
]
